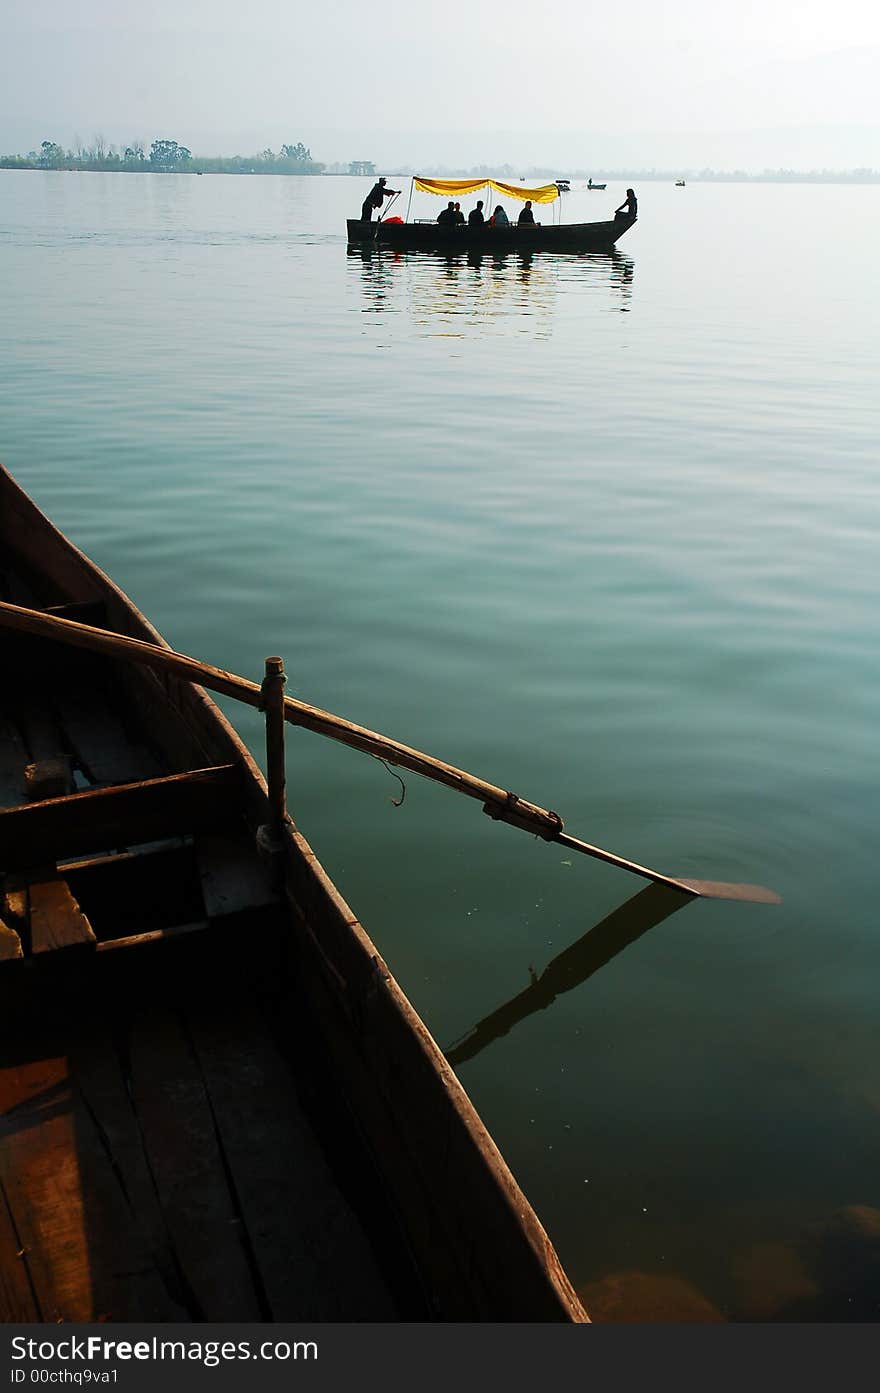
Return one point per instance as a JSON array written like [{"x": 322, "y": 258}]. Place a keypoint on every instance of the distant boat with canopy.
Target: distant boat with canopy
[{"x": 426, "y": 234}]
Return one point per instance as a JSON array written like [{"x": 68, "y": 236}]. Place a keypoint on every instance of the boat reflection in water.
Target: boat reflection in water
[
  {"x": 573, "y": 966},
  {"x": 451, "y": 294}
]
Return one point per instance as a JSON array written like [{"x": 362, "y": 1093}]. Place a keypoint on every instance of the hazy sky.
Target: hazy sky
[{"x": 647, "y": 82}]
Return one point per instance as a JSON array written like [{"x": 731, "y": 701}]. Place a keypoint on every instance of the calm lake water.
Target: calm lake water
[{"x": 602, "y": 530}]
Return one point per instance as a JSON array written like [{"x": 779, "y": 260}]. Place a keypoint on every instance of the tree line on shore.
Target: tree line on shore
[
  {"x": 167, "y": 156},
  {"x": 164, "y": 157}
]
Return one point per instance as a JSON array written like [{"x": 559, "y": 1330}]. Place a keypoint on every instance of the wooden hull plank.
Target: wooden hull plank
[
  {"x": 42, "y": 733},
  {"x": 313, "y": 1256},
  {"x": 98, "y": 1059},
  {"x": 17, "y": 1303},
  {"x": 186, "y": 1163},
  {"x": 97, "y": 736},
  {"x": 84, "y": 1258}
]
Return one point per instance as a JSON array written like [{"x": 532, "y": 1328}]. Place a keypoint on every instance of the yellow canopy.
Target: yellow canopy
[{"x": 545, "y": 194}]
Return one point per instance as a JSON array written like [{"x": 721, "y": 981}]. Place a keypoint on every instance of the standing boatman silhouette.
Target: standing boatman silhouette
[{"x": 374, "y": 199}]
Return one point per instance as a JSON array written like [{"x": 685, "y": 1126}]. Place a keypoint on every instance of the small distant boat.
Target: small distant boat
[
  {"x": 679, "y": 183},
  {"x": 591, "y": 185},
  {"x": 563, "y": 185}
]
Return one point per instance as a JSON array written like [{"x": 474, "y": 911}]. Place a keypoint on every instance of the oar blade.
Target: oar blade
[{"x": 731, "y": 890}]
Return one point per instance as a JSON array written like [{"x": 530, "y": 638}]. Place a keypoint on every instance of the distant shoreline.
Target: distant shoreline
[
  {"x": 617, "y": 176},
  {"x": 858, "y": 176}
]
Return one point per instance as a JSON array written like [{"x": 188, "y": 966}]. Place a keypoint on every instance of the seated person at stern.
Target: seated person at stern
[
  {"x": 475, "y": 216},
  {"x": 526, "y": 217},
  {"x": 499, "y": 218},
  {"x": 447, "y": 216},
  {"x": 374, "y": 199},
  {"x": 629, "y": 207}
]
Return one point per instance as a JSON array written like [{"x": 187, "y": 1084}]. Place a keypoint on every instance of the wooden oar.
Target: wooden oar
[
  {"x": 497, "y": 802},
  {"x": 708, "y": 889},
  {"x": 711, "y": 889}
]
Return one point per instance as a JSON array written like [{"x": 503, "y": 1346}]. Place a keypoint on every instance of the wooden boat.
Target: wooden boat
[
  {"x": 563, "y": 185},
  {"x": 679, "y": 183},
  {"x": 216, "y": 1103},
  {"x": 592, "y": 187},
  {"x": 431, "y": 236}
]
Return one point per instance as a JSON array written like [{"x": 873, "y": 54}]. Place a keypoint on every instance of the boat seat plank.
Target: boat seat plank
[
  {"x": 233, "y": 877},
  {"x": 139, "y": 852},
  {"x": 120, "y": 816},
  {"x": 153, "y": 936},
  {"x": 181, "y": 1145},
  {"x": 84, "y": 1258},
  {"x": 313, "y": 1257},
  {"x": 56, "y": 919}
]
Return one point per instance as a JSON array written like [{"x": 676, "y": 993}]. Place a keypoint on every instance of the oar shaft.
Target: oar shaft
[
  {"x": 575, "y": 844},
  {"x": 497, "y": 802},
  {"x": 22, "y": 620},
  {"x": 700, "y": 889}
]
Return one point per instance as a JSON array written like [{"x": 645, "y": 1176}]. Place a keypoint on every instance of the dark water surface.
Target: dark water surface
[{"x": 601, "y": 529}]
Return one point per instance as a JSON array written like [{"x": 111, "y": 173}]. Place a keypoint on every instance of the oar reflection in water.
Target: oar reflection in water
[{"x": 574, "y": 965}]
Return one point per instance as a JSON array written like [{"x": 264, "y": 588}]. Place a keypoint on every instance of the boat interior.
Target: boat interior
[{"x": 164, "y": 1154}]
